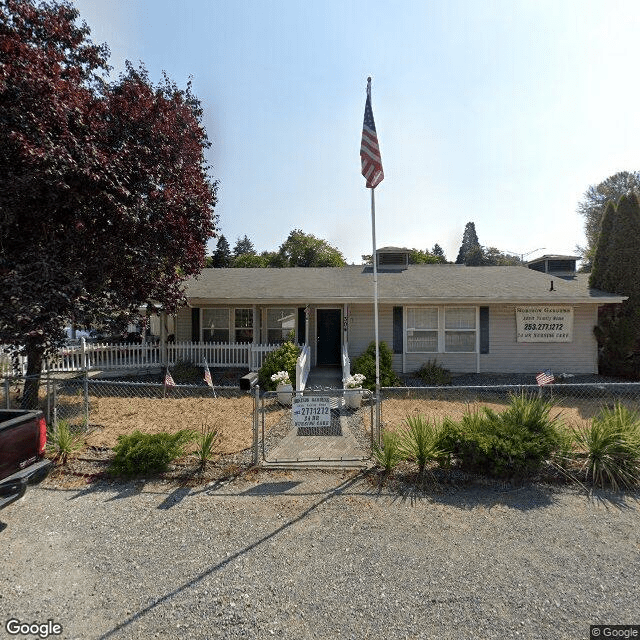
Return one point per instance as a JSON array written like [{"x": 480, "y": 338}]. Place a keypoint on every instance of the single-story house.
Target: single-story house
[{"x": 470, "y": 319}]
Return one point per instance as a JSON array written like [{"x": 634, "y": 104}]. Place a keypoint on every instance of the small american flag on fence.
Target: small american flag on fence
[
  {"x": 369, "y": 150},
  {"x": 207, "y": 375},
  {"x": 168, "y": 380},
  {"x": 546, "y": 377}
]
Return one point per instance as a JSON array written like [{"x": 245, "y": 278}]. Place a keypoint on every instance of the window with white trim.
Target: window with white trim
[
  {"x": 460, "y": 330},
  {"x": 215, "y": 325},
  {"x": 243, "y": 325},
  {"x": 280, "y": 323},
  {"x": 422, "y": 329}
]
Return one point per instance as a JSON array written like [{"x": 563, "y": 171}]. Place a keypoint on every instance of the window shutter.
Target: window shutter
[
  {"x": 195, "y": 324},
  {"x": 302, "y": 325},
  {"x": 397, "y": 330},
  {"x": 484, "y": 329}
]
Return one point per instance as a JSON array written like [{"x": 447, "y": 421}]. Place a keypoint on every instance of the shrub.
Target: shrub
[
  {"x": 365, "y": 364},
  {"x": 511, "y": 443},
  {"x": 281, "y": 359},
  {"x": 418, "y": 441},
  {"x": 184, "y": 372},
  {"x": 387, "y": 454},
  {"x": 610, "y": 447},
  {"x": 148, "y": 452},
  {"x": 62, "y": 442},
  {"x": 431, "y": 373}
]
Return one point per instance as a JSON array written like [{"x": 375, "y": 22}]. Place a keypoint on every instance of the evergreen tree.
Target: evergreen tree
[
  {"x": 438, "y": 252},
  {"x": 222, "y": 255},
  {"x": 593, "y": 206},
  {"x": 243, "y": 246},
  {"x": 470, "y": 250},
  {"x": 616, "y": 269}
]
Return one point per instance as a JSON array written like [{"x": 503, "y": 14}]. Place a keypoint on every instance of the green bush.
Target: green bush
[
  {"x": 512, "y": 443},
  {"x": 282, "y": 359},
  {"x": 609, "y": 448},
  {"x": 366, "y": 365},
  {"x": 148, "y": 452},
  {"x": 431, "y": 373},
  {"x": 185, "y": 372}
]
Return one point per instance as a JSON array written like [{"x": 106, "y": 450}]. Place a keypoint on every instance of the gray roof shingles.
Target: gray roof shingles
[{"x": 418, "y": 283}]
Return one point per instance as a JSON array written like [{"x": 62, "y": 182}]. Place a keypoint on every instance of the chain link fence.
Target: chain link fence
[
  {"x": 576, "y": 403},
  {"x": 341, "y": 424},
  {"x": 316, "y": 426},
  {"x": 105, "y": 409}
]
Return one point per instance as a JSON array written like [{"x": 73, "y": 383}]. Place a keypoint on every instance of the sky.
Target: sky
[{"x": 500, "y": 112}]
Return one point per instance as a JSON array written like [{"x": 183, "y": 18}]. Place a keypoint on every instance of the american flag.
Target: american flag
[
  {"x": 168, "y": 380},
  {"x": 546, "y": 377},
  {"x": 369, "y": 149},
  {"x": 207, "y": 375}
]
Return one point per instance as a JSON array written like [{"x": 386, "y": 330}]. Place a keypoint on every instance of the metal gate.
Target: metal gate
[{"x": 333, "y": 426}]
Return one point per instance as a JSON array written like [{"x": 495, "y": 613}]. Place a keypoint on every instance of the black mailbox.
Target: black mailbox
[{"x": 249, "y": 381}]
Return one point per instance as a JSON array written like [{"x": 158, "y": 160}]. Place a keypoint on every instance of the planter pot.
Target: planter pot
[
  {"x": 284, "y": 393},
  {"x": 353, "y": 398}
]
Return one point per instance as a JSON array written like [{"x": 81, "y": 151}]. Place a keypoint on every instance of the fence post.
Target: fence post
[
  {"x": 256, "y": 406},
  {"x": 83, "y": 344},
  {"x": 55, "y": 406},
  {"x": 86, "y": 400},
  {"x": 48, "y": 400}
]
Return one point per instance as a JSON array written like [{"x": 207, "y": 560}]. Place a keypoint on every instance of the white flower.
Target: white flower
[
  {"x": 282, "y": 377},
  {"x": 355, "y": 381}
]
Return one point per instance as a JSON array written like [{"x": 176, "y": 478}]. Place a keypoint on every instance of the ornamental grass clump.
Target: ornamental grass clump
[
  {"x": 206, "y": 443},
  {"x": 609, "y": 448},
  {"x": 62, "y": 442},
  {"x": 387, "y": 454},
  {"x": 418, "y": 441},
  {"x": 149, "y": 452}
]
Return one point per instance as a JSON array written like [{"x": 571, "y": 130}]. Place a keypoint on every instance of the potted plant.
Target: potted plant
[
  {"x": 283, "y": 386},
  {"x": 353, "y": 390}
]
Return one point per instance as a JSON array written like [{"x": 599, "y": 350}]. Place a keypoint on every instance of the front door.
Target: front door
[{"x": 328, "y": 337}]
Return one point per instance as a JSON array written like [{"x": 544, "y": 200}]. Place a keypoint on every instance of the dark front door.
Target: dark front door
[{"x": 328, "y": 337}]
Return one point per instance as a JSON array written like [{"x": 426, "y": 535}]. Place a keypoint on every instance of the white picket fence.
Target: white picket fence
[{"x": 91, "y": 356}]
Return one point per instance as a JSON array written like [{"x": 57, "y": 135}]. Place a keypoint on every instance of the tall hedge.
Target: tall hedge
[{"x": 616, "y": 269}]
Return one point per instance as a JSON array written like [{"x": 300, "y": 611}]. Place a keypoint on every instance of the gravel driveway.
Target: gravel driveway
[{"x": 319, "y": 555}]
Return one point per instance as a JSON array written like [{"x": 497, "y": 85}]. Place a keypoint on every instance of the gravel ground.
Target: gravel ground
[{"x": 320, "y": 555}]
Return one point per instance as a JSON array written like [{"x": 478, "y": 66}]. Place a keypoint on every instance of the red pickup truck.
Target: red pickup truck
[{"x": 23, "y": 438}]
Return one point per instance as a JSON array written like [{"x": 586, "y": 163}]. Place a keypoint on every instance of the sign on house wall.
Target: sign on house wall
[{"x": 544, "y": 324}]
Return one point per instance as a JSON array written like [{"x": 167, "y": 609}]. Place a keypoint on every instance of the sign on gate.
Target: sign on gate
[{"x": 311, "y": 411}]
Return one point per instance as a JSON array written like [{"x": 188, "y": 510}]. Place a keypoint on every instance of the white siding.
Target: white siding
[
  {"x": 183, "y": 325},
  {"x": 362, "y": 328},
  {"x": 509, "y": 356},
  {"x": 506, "y": 355}
]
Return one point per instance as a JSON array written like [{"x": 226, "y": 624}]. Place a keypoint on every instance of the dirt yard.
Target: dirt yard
[
  {"x": 231, "y": 417},
  {"x": 395, "y": 411}
]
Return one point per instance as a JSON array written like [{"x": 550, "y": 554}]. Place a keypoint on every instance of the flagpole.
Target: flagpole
[{"x": 375, "y": 290}]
